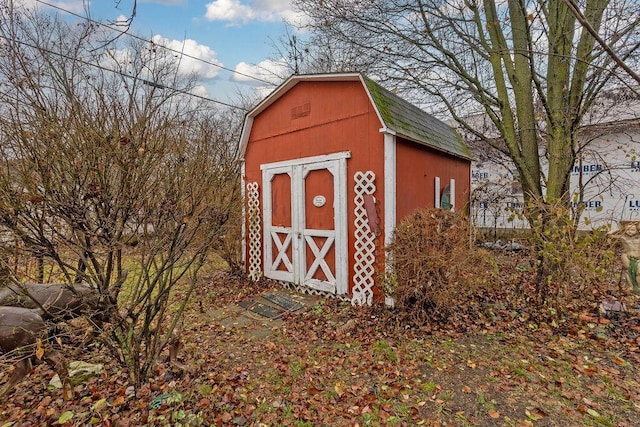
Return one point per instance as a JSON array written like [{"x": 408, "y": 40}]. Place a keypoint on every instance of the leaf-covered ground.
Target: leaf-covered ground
[{"x": 336, "y": 365}]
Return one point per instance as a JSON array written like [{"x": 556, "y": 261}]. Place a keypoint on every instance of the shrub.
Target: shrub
[
  {"x": 437, "y": 271},
  {"x": 576, "y": 265}
]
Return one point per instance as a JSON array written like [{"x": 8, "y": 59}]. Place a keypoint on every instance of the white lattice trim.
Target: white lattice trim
[
  {"x": 364, "y": 257},
  {"x": 311, "y": 291},
  {"x": 255, "y": 231}
]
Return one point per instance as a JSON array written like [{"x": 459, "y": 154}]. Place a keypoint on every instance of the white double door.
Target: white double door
[{"x": 305, "y": 229}]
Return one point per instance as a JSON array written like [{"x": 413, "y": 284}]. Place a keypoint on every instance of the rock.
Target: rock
[
  {"x": 512, "y": 247},
  {"x": 499, "y": 245}
]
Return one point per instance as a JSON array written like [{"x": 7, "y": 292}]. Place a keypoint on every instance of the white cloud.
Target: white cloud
[
  {"x": 200, "y": 56},
  {"x": 200, "y": 90},
  {"x": 228, "y": 10},
  {"x": 269, "y": 70},
  {"x": 117, "y": 56},
  {"x": 200, "y": 60},
  {"x": 239, "y": 12},
  {"x": 167, "y": 2},
  {"x": 76, "y": 6}
]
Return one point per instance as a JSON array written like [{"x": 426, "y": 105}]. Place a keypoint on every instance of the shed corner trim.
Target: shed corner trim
[{"x": 244, "y": 136}]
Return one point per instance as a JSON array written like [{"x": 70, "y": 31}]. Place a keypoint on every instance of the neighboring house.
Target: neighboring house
[
  {"x": 605, "y": 180},
  {"x": 331, "y": 163}
]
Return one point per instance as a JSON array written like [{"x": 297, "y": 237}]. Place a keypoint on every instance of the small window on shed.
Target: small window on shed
[{"x": 446, "y": 198}]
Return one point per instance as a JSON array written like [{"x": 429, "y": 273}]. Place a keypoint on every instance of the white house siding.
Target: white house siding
[{"x": 608, "y": 172}]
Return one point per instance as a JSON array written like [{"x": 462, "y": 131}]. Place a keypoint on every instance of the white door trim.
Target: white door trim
[
  {"x": 298, "y": 235},
  {"x": 305, "y": 160}
]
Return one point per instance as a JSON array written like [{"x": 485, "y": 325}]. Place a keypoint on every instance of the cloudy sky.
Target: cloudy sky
[{"x": 237, "y": 34}]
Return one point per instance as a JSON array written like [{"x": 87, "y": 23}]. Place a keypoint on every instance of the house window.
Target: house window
[{"x": 445, "y": 198}]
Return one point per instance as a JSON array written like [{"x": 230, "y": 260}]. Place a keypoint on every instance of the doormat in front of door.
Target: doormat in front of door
[
  {"x": 283, "y": 301},
  {"x": 261, "y": 309}
]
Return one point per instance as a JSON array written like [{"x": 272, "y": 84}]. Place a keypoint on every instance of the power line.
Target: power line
[
  {"x": 143, "y": 81},
  {"x": 222, "y": 67}
]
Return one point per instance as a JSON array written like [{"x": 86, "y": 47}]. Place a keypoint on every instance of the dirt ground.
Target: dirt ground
[{"x": 331, "y": 364}]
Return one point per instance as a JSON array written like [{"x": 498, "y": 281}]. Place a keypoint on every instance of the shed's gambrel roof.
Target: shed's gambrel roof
[
  {"x": 396, "y": 115},
  {"x": 410, "y": 122}
]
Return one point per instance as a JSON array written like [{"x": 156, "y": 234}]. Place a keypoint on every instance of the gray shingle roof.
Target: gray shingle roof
[{"x": 409, "y": 121}]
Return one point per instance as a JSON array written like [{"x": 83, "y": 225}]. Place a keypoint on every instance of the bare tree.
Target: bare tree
[
  {"x": 318, "y": 53},
  {"x": 528, "y": 66},
  {"x": 108, "y": 165}
]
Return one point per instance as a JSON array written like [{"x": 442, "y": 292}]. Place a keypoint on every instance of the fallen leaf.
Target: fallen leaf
[
  {"x": 539, "y": 413},
  {"x": 535, "y": 414},
  {"x": 619, "y": 361},
  {"x": 594, "y": 388},
  {"x": 66, "y": 416},
  {"x": 593, "y": 413},
  {"x": 204, "y": 403},
  {"x": 99, "y": 405},
  {"x": 39, "y": 349},
  {"x": 589, "y": 402},
  {"x": 493, "y": 413},
  {"x": 586, "y": 318},
  {"x": 384, "y": 415}
]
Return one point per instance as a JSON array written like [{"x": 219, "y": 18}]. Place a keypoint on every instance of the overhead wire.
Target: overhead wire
[
  {"x": 144, "y": 81},
  {"x": 135, "y": 36}
]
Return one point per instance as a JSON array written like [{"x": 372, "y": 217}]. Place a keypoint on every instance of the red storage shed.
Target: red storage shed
[{"x": 331, "y": 163}]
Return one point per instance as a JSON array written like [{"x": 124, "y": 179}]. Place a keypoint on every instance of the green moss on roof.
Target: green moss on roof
[{"x": 409, "y": 121}]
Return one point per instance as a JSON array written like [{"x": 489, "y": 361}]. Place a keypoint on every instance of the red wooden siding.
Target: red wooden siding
[
  {"x": 281, "y": 200},
  {"x": 416, "y": 170},
  {"x": 320, "y": 217},
  {"x": 338, "y": 117}
]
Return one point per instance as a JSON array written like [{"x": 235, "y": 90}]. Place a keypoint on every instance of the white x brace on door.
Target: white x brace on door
[{"x": 305, "y": 222}]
